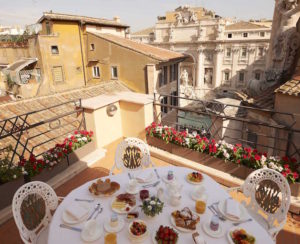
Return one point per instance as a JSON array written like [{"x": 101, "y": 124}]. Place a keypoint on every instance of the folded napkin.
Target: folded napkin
[
  {"x": 144, "y": 177},
  {"x": 232, "y": 209},
  {"x": 76, "y": 211}
]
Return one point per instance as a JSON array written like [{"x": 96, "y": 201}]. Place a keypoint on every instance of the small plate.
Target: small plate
[
  {"x": 232, "y": 229},
  {"x": 122, "y": 211},
  {"x": 180, "y": 228},
  {"x": 116, "y": 229},
  {"x": 132, "y": 192},
  {"x": 67, "y": 219},
  {"x": 243, "y": 211},
  {"x": 214, "y": 234},
  {"x": 149, "y": 179},
  {"x": 87, "y": 238},
  {"x": 165, "y": 179},
  {"x": 193, "y": 182}
]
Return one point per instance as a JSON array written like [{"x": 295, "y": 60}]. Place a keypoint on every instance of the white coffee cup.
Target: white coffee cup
[{"x": 132, "y": 184}]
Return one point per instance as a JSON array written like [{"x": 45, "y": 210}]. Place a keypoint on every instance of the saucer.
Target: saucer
[
  {"x": 215, "y": 234},
  {"x": 136, "y": 191},
  {"x": 116, "y": 229},
  {"x": 88, "y": 238}
]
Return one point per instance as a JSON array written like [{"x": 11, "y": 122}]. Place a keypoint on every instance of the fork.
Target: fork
[
  {"x": 157, "y": 175},
  {"x": 84, "y": 200},
  {"x": 238, "y": 223}
]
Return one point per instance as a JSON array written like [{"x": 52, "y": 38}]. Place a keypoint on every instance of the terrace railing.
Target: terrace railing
[
  {"x": 37, "y": 131},
  {"x": 262, "y": 129}
]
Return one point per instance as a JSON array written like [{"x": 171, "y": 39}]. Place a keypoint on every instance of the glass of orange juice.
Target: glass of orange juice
[
  {"x": 110, "y": 238},
  {"x": 200, "y": 205}
]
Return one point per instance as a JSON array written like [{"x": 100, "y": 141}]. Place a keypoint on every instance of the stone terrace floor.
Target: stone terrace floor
[{"x": 9, "y": 233}]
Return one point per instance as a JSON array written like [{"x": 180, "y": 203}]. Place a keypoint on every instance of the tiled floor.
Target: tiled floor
[{"x": 9, "y": 233}]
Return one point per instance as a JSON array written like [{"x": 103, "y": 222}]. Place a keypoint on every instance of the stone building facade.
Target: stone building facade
[{"x": 223, "y": 53}]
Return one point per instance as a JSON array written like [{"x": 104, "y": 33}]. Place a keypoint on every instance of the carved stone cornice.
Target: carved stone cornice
[{"x": 219, "y": 49}]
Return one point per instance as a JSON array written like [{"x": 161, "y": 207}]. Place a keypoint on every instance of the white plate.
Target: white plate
[
  {"x": 192, "y": 182},
  {"x": 67, "y": 219},
  {"x": 132, "y": 192},
  {"x": 243, "y": 211},
  {"x": 116, "y": 229},
  {"x": 87, "y": 238},
  {"x": 232, "y": 229},
  {"x": 180, "y": 228},
  {"x": 154, "y": 234},
  {"x": 214, "y": 234},
  {"x": 165, "y": 179},
  {"x": 120, "y": 211}
]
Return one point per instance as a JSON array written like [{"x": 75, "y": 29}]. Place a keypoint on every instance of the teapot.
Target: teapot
[
  {"x": 175, "y": 198},
  {"x": 173, "y": 187}
]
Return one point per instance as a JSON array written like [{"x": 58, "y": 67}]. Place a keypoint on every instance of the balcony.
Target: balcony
[{"x": 111, "y": 117}]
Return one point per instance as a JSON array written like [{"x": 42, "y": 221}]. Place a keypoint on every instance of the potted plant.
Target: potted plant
[{"x": 152, "y": 206}]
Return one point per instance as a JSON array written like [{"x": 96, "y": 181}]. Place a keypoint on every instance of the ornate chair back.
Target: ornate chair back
[
  {"x": 32, "y": 205},
  {"x": 269, "y": 194},
  {"x": 132, "y": 154}
]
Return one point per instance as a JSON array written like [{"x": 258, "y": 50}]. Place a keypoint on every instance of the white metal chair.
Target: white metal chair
[
  {"x": 32, "y": 205},
  {"x": 270, "y": 196},
  {"x": 132, "y": 154}
]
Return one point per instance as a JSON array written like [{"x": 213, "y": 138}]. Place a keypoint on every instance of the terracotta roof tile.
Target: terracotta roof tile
[
  {"x": 69, "y": 123},
  {"x": 243, "y": 25},
  {"x": 148, "y": 50},
  {"x": 78, "y": 18},
  {"x": 291, "y": 87}
]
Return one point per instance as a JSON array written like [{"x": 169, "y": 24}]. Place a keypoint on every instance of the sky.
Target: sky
[{"x": 139, "y": 14}]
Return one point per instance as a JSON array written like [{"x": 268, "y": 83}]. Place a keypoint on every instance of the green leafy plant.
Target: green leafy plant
[{"x": 152, "y": 206}]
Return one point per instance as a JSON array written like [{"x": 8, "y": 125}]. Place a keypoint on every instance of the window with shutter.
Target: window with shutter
[{"x": 57, "y": 72}]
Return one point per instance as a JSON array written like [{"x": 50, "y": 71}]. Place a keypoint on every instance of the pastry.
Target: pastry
[
  {"x": 186, "y": 219},
  {"x": 106, "y": 187},
  {"x": 195, "y": 177}
]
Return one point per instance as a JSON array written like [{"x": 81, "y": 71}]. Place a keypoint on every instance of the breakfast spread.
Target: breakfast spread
[
  {"x": 240, "y": 236},
  {"x": 104, "y": 188},
  {"x": 124, "y": 203},
  {"x": 166, "y": 235},
  {"x": 186, "y": 219},
  {"x": 195, "y": 177}
]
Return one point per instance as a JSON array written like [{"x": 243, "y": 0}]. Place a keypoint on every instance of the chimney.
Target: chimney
[{"x": 117, "y": 19}]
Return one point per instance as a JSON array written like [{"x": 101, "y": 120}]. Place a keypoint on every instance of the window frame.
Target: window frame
[
  {"x": 226, "y": 52},
  {"x": 112, "y": 72},
  {"x": 259, "y": 73},
  {"x": 244, "y": 75},
  {"x": 262, "y": 33},
  {"x": 97, "y": 69},
  {"x": 229, "y": 35},
  {"x": 92, "y": 47},
  {"x": 52, "y": 47},
  {"x": 245, "y": 34},
  {"x": 242, "y": 52}
]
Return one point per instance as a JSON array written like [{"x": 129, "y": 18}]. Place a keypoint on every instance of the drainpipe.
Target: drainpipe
[{"x": 82, "y": 58}]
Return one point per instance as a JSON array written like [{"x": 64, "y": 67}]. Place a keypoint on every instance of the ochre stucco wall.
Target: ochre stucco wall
[
  {"x": 131, "y": 65},
  {"x": 66, "y": 37}
]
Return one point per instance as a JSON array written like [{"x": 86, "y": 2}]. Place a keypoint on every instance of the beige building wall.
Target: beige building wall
[
  {"x": 67, "y": 63},
  {"x": 131, "y": 65}
]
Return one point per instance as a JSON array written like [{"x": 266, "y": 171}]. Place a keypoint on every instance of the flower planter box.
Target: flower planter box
[
  {"x": 295, "y": 189},
  {"x": 82, "y": 152},
  {"x": 186, "y": 153},
  {"x": 159, "y": 143},
  {"x": 8, "y": 190},
  {"x": 48, "y": 174}
]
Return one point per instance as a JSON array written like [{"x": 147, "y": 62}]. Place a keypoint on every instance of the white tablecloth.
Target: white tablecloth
[{"x": 215, "y": 193}]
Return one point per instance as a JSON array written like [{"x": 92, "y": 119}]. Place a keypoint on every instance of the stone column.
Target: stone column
[
  {"x": 200, "y": 67},
  {"x": 218, "y": 59},
  {"x": 235, "y": 60}
]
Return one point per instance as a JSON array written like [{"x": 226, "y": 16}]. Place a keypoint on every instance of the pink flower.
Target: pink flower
[
  {"x": 257, "y": 157},
  {"x": 296, "y": 175},
  {"x": 286, "y": 166}
]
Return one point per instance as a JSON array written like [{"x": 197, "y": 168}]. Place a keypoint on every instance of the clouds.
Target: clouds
[{"x": 136, "y": 13}]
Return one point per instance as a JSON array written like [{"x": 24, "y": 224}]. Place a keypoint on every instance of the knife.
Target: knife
[{"x": 70, "y": 227}]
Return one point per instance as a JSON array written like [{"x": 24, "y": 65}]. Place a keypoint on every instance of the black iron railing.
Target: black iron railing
[
  {"x": 35, "y": 132},
  {"x": 249, "y": 126}
]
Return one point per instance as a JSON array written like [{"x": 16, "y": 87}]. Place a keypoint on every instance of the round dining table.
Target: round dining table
[{"x": 214, "y": 191}]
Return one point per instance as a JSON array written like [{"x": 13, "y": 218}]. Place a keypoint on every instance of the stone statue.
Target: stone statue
[
  {"x": 185, "y": 77},
  {"x": 288, "y": 5},
  {"x": 208, "y": 76},
  {"x": 193, "y": 17},
  {"x": 179, "y": 18}
]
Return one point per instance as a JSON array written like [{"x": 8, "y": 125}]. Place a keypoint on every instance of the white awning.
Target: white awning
[{"x": 21, "y": 64}]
